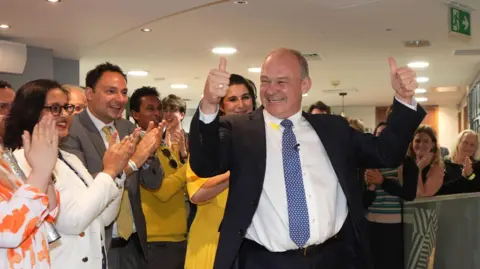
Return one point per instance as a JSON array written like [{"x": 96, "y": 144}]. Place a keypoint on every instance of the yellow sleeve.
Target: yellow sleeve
[
  {"x": 194, "y": 183},
  {"x": 171, "y": 185}
]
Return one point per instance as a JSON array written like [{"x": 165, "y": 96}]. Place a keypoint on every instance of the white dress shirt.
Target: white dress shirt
[
  {"x": 84, "y": 212},
  {"x": 326, "y": 201},
  {"x": 99, "y": 125}
]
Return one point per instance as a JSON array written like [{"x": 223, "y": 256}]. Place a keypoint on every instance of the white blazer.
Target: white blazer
[{"x": 84, "y": 213}]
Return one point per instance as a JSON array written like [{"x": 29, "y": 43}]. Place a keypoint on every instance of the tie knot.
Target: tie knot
[
  {"x": 287, "y": 124},
  {"x": 107, "y": 130}
]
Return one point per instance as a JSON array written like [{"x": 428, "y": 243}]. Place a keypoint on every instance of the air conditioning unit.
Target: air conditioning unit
[{"x": 13, "y": 57}]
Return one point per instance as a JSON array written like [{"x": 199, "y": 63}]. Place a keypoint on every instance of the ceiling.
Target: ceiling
[{"x": 350, "y": 35}]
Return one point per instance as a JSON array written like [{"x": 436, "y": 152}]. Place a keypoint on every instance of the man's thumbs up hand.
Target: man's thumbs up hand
[
  {"x": 404, "y": 81},
  {"x": 215, "y": 87}
]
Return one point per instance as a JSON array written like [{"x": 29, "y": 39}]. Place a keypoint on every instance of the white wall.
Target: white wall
[
  {"x": 447, "y": 125},
  {"x": 364, "y": 113}
]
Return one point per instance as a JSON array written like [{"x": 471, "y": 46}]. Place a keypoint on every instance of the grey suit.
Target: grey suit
[{"x": 85, "y": 141}]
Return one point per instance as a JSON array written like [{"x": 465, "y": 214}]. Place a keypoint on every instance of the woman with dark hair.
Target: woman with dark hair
[
  {"x": 211, "y": 193},
  {"x": 240, "y": 97},
  {"x": 87, "y": 205}
]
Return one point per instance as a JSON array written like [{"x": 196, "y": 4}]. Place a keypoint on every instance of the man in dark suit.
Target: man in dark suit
[
  {"x": 294, "y": 198},
  {"x": 89, "y": 132}
]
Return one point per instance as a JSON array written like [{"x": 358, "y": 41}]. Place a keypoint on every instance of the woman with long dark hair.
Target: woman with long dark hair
[{"x": 87, "y": 205}]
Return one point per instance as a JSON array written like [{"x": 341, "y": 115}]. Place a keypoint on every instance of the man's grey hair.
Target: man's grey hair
[{"x": 69, "y": 88}]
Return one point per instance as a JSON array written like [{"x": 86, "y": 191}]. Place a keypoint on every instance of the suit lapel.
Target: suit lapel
[
  {"x": 258, "y": 147},
  {"x": 330, "y": 143},
  {"x": 93, "y": 133},
  {"x": 122, "y": 132}
]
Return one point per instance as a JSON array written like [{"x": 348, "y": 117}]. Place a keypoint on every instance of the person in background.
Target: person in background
[
  {"x": 456, "y": 224},
  {"x": 76, "y": 98},
  {"x": 164, "y": 209},
  {"x": 174, "y": 109},
  {"x": 107, "y": 95},
  {"x": 146, "y": 107},
  {"x": 391, "y": 186},
  {"x": 87, "y": 203},
  {"x": 25, "y": 205},
  {"x": 356, "y": 124},
  {"x": 210, "y": 194},
  {"x": 425, "y": 150},
  {"x": 7, "y": 94},
  {"x": 319, "y": 108},
  {"x": 462, "y": 168},
  {"x": 176, "y": 139}
]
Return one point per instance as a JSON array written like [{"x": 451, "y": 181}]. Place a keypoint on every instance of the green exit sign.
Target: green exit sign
[{"x": 460, "y": 22}]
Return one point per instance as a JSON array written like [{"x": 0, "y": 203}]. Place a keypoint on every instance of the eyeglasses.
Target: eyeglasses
[
  {"x": 57, "y": 109},
  {"x": 173, "y": 164}
]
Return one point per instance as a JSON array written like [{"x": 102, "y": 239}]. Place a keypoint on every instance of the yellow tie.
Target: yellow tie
[
  {"x": 108, "y": 133},
  {"x": 124, "y": 220}
]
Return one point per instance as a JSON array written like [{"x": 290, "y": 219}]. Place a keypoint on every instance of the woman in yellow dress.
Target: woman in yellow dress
[{"x": 210, "y": 194}]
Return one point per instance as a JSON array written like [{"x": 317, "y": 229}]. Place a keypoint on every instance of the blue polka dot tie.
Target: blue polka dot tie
[{"x": 299, "y": 223}]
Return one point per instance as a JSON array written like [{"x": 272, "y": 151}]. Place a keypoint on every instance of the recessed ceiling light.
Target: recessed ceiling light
[
  {"x": 421, "y": 99},
  {"x": 4, "y": 26},
  {"x": 420, "y": 90},
  {"x": 146, "y": 30},
  {"x": 305, "y": 95},
  {"x": 53, "y": 1},
  {"x": 446, "y": 89},
  {"x": 417, "y": 43},
  {"x": 255, "y": 69},
  {"x": 240, "y": 2},
  {"x": 138, "y": 73},
  {"x": 224, "y": 50},
  {"x": 422, "y": 79},
  {"x": 418, "y": 65},
  {"x": 179, "y": 86}
]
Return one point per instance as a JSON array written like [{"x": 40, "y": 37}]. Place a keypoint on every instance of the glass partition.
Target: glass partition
[{"x": 442, "y": 232}]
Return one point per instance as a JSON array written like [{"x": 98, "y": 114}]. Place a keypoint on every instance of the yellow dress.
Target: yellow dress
[{"x": 203, "y": 235}]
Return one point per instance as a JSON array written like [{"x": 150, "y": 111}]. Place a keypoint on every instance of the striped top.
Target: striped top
[{"x": 386, "y": 208}]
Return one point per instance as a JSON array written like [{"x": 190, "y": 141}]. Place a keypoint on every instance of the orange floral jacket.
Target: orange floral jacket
[{"x": 23, "y": 240}]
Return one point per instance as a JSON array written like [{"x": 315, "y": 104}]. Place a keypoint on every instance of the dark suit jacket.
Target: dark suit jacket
[
  {"x": 237, "y": 144},
  {"x": 85, "y": 141}
]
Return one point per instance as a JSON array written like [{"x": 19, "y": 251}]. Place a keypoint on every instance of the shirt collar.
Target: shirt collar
[
  {"x": 275, "y": 122},
  {"x": 98, "y": 123}
]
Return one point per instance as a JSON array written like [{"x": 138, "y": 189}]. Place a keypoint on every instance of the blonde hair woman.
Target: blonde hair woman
[{"x": 462, "y": 167}]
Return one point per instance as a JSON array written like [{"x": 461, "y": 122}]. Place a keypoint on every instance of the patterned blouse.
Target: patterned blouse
[{"x": 23, "y": 241}]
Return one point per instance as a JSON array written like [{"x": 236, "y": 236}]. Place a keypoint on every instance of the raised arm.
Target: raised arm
[
  {"x": 209, "y": 141},
  {"x": 390, "y": 148},
  {"x": 210, "y": 145},
  {"x": 201, "y": 190}
]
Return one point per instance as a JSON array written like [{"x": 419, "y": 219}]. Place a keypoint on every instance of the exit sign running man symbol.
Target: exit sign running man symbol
[{"x": 460, "y": 22}]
